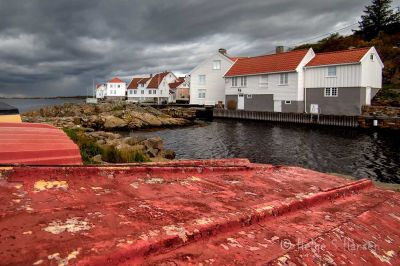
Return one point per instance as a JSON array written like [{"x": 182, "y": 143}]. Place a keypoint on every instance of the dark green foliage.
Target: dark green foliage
[
  {"x": 89, "y": 148},
  {"x": 378, "y": 17}
]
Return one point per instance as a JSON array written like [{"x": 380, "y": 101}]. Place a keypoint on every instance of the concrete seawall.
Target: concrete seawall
[
  {"x": 368, "y": 121},
  {"x": 327, "y": 120}
]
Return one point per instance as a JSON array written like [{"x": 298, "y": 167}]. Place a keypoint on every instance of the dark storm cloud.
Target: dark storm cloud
[{"x": 58, "y": 47}]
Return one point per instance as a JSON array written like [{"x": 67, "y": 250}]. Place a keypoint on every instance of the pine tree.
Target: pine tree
[{"x": 379, "y": 16}]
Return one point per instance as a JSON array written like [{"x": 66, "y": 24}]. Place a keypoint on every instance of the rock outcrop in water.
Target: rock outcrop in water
[
  {"x": 94, "y": 127},
  {"x": 110, "y": 116}
]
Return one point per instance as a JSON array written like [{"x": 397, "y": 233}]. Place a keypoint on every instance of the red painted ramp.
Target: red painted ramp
[{"x": 36, "y": 144}]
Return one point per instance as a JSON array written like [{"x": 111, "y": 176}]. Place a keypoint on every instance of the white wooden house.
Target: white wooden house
[
  {"x": 115, "y": 89},
  {"x": 101, "y": 91},
  {"x": 342, "y": 82},
  {"x": 273, "y": 82},
  {"x": 153, "y": 89},
  {"x": 180, "y": 90},
  {"x": 207, "y": 84}
]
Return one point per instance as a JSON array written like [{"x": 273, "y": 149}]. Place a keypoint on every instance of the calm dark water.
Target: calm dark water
[
  {"x": 26, "y": 105},
  {"x": 354, "y": 152}
]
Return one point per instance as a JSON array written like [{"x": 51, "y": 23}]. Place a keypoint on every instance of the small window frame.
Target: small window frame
[
  {"x": 284, "y": 79},
  {"x": 217, "y": 65},
  {"x": 332, "y": 72},
  {"x": 234, "y": 82},
  {"x": 331, "y": 92},
  {"x": 202, "y": 79}
]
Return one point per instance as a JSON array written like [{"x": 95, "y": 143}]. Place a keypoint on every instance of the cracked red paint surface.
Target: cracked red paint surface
[{"x": 194, "y": 212}]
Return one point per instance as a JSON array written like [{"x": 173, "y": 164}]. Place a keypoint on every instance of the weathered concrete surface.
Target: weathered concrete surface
[
  {"x": 227, "y": 212},
  {"x": 36, "y": 144}
]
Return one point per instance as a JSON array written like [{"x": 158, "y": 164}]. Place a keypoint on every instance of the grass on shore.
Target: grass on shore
[
  {"x": 89, "y": 148},
  {"x": 389, "y": 95}
]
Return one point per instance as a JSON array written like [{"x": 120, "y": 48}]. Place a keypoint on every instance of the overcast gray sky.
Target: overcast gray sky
[{"x": 57, "y": 47}]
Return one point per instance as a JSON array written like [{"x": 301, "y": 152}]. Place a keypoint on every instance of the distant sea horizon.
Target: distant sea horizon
[
  {"x": 28, "y": 104},
  {"x": 45, "y": 97}
]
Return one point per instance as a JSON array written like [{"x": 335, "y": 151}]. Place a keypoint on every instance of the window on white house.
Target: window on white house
[
  {"x": 249, "y": 96},
  {"x": 119, "y": 86},
  {"x": 217, "y": 64},
  {"x": 202, "y": 94},
  {"x": 288, "y": 102},
  {"x": 234, "y": 82},
  {"x": 150, "y": 91},
  {"x": 154, "y": 91},
  {"x": 142, "y": 91},
  {"x": 243, "y": 81},
  {"x": 284, "y": 79},
  {"x": 130, "y": 92},
  {"x": 332, "y": 71},
  {"x": 371, "y": 57},
  {"x": 264, "y": 80},
  {"x": 331, "y": 92},
  {"x": 135, "y": 92},
  {"x": 202, "y": 79}
]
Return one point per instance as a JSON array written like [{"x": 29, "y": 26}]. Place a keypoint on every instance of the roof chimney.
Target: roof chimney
[
  {"x": 280, "y": 49},
  {"x": 223, "y": 51}
]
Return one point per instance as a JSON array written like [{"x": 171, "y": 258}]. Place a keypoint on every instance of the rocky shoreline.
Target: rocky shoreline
[
  {"x": 97, "y": 129},
  {"x": 111, "y": 116}
]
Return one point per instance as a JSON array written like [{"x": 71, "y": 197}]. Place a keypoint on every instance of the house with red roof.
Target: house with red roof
[
  {"x": 298, "y": 81},
  {"x": 115, "y": 89},
  {"x": 207, "y": 84},
  {"x": 270, "y": 83},
  {"x": 101, "y": 91},
  {"x": 180, "y": 90},
  {"x": 151, "y": 89},
  {"x": 342, "y": 82}
]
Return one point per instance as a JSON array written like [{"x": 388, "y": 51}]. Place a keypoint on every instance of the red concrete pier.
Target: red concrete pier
[
  {"x": 36, "y": 144},
  {"x": 221, "y": 212}
]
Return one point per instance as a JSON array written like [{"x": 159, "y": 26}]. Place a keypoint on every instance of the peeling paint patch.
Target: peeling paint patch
[
  {"x": 43, "y": 185},
  {"x": 283, "y": 260},
  {"x": 225, "y": 247},
  {"x": 195, "y": 179},
  {"x": 27, "y": 233},
  {"x": 38, "y": 262},
  {"x": 269, "y": 209},
  {"x": 153, "y": 181},
  {"x": 234, "y": 243},
  {"x": 64, "y": 261},
  {"x": 4, "y": 169},
  {"x": 72, "y": 225},
  {"x": 204, "y": 221},
  {"x": 135, "y": 185},
  {"x": 382, "y": 258},
  {"x": 394, "y": 216},
  {"x": 173, "y": 230}
]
